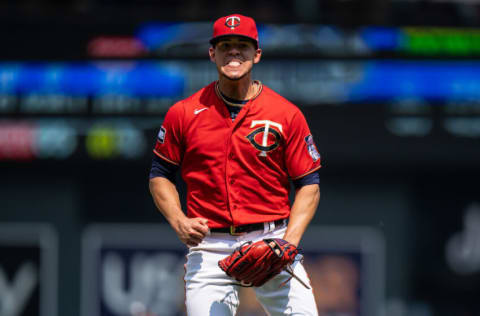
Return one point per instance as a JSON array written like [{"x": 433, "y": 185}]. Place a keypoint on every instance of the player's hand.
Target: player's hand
[{"x": 191, "y": 231}]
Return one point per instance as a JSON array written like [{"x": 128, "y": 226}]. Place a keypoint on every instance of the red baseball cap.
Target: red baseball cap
[{"x": 235, "y": 24}]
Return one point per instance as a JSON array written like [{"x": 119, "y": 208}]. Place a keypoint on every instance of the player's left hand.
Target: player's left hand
[{"x": 253, "y": 264}]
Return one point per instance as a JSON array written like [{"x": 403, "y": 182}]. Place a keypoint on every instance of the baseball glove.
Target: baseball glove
[{"x": 253, "y": 264}]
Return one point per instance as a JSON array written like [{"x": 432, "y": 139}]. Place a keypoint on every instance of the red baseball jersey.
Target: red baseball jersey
[{"x": 237, "y": 172}]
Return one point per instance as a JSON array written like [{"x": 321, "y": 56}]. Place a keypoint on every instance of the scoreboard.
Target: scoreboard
[{"x": 414, "y": 86}]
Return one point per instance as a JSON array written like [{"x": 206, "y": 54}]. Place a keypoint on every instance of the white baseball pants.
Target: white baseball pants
[{"x": 210, "y": 292}]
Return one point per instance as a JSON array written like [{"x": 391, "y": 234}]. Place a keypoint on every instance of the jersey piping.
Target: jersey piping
[
  {"x": 165, "y": 158},
  {"x": 307, "y": 173}
]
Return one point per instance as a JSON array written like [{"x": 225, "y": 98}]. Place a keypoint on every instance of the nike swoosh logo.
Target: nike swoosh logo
[{"x": 198, "y": 111}]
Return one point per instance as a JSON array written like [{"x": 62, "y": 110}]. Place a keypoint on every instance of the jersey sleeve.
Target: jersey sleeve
[
  {"x": 311, "y": 178},
  {"x": 169, "y": 144},
  {"x": 162, "y": 168},
  {"x": 301, "y": 154}
]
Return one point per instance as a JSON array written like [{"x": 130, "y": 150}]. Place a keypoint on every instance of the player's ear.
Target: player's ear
[
  {"x": 211, "y": 53},
  {"x": 257, "y": 56}
]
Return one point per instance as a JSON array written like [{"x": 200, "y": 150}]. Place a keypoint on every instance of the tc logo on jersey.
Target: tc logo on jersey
[
  {"x": 312, "y": 150},
  {"x": 267, "y": 143},
  {"x": 161, "y": 134},
  {"x": 232, "y": 22}
]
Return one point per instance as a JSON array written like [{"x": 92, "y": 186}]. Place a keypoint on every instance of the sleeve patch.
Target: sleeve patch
[
  {"x": 161, "y": 135},
  {"x": 312, "y": 149}
]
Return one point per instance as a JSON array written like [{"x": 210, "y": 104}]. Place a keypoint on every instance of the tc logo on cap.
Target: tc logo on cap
[{"x": 232, "y": 22}]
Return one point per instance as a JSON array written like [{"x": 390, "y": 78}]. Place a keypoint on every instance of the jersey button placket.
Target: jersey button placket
[
  {"x": 228, "y": 178},
  {"x": 231, "y": 182}
]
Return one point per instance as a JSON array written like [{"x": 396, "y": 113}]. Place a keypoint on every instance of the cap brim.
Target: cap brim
[{"x": 214, "y": 40}]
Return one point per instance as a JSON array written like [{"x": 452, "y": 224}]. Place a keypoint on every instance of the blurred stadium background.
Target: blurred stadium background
[{"x": 391, "y": 90}]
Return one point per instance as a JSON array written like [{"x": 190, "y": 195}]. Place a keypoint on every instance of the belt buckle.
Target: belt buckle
[{"x": 234, "y": 233}]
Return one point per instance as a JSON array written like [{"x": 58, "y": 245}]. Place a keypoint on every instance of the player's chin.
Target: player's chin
[{"x": 235, "y": 76}]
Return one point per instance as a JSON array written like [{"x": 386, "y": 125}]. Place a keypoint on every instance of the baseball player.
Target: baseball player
[{"x": 238, "y": 145}]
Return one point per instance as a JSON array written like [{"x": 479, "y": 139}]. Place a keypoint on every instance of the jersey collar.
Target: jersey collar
[{"x": 233, "y": 102}]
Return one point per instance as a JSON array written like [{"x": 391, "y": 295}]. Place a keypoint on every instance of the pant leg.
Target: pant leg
[
  {"x": 292, "y": 298},
  {"x": 208, "y": 290}
]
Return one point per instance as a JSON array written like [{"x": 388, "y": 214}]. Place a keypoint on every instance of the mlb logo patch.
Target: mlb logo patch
[
  {"x": 161, "y": 134},
  {"x": 312, "y": 149}
]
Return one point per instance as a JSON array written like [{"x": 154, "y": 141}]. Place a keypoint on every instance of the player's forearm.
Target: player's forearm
[
  {"x": 303, "y": 210},
  {"x": 165, "y": 196}
]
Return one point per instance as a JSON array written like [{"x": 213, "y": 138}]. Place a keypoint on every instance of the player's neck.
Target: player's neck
[{"x": 243, "y": 89}]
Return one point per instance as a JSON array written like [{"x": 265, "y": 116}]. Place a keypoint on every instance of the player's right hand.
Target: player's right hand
[{"x": 191, "y": 231}]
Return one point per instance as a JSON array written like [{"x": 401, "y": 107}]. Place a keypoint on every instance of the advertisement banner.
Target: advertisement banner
[
  {"x": 28, "y": 270},
  {"x": 137, "y": 270}
]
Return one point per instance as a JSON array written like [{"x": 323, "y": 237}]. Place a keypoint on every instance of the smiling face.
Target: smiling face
[{"x": 234, "y": 57}]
